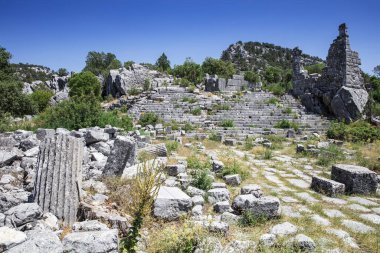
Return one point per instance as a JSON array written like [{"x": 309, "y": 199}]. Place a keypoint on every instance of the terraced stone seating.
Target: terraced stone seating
[{"x": 253, "y": 113}]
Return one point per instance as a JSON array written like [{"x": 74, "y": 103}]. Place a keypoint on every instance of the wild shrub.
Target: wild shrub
[
  {"x": 134, "y": 91},
  {"x": 284, "y": 124},
  {"x": 199, "y": 171},
  {"x": 272, "y": 101},
  {"x": 330, "y": 155},
  {"x": 188, "y": 127},
  {"x": 172, "y": 146},
  {"x": 359, "y": 131},
  {"x": 40, "y": 99},
  {"x": 249, "y": 219},
  {"x": 13, "y": 100},
  {"x": 84, "y": 84},
  {"x": 196, "y": 111},
  {"x": 149, "y": 118},
  {"x": 221, "y": 107},
  {"x": 190, "y": 100},
  {"x": 227, "y": 123},
  {"x": 182, "y": 238},
  {"x": 235, "y": 167},
  {"x": 267, "y": 155}
]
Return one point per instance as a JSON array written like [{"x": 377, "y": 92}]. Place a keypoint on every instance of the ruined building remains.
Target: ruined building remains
[{"x": 339, "y": 90}]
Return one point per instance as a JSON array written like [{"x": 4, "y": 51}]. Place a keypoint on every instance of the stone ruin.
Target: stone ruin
[
  {"x": 236, "y": 83},
  {"x": 339, "y": 90}
]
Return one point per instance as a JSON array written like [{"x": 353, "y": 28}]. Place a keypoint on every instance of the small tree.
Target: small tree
[
  {"x": 84, "y": 84},
  {"x": 62, "y": 72},
  {"x": 218, "y": 67},
  {"x": 376, "y": 70},
  {"x": 147, "y": 85},
  {"x": 163, "y": 64},
  {"x": 251, "y": 77}
]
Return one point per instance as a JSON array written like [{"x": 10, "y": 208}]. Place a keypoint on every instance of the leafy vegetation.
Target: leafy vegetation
[
  {"x": 251, "y": 76},
  {"x": 149, "y": 118},
  {"x": 284, "y": 124},
  {"x": 84, "y": 84},
  {"x": 40, "y": 99},
  {"x": 189, "y": 70},
  {"x": 162, "y": 63},
  {"x": 100, "y": 63},
  {"x": 172, "y": 146},
  {"x": 330, "y": 155},
  {"x": 248, "y": 219},
  {"x": 315, "y": 68},
  {"x": 218, "y": 67},
  {"x": 13, "y": 100},
  {"x": 235, "y": 167},
  {"x": 227, "y": 123},
  {"x": 196, "y": 111},
  {"x": 359, "y": 131},
  {"x": 199, "y": 171}
]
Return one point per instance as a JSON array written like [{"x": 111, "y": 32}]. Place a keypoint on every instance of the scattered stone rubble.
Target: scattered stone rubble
[{"x": 340, "y": 89}]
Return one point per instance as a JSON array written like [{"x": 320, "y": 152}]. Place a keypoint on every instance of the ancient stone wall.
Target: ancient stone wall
[{"x": 340, "y": 89}]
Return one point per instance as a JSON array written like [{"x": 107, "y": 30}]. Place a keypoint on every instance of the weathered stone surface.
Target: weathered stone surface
[
  {"x": 233, "y": 180},
  {"x": 219, "y": 227},
  {"x": 221, "y": 207},
  {"x": 13, "y": 198},
  {"x": 240, "y": 247},
  {"x": 92, "y": 242},
  {"x": 357, "y": 179},
  {"x": 93, "y": 136},
  {"x": 91, "y": 225},
  {"x": 357, "y": 227},
  {"x": 266, "y": 206},
  {"x": 22, "y": 214},
  {"x": 229, "y": 218},
  {"x": 42, "y": 241},
  {"x": 217, "y": 165},
  {"x": 218, "y": 195},
  {"x": 194, "y": 191},
  {"x": 267, "y": 240},
  {"x": 10, "y": 237},
  {"x": 326, "y": 186},
  {"x": 122, "y": 155},
  {"x": 253, "y": 189},
  {"x": 59, "y": 177},
  {"x": 171, "y": 203},
  {"x": 159, "y": 150},
  {"x": 285, "y": 228},
  {"x": 175, "y": 169},
  {"x": 7, "y": 156},
  {"x": 304, "y": 243}
]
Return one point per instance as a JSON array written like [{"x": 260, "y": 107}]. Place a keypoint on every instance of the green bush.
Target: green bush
[
  {"x": 284, "y": 124},
  {"x": 40, "y": 99},
  {"x": 13, "y": 100},
  {"x": 251, "y": 77},
  {"x": 199, "y": 171},
  {"x": 315, "y": 68},
  {"x": 71, "y": 114},
  {"x": 188, "y": 127},
  {"x": 134, "y": 91},
  {"x": 189, "y": 70},
  {"x": 272, "y": 101},
  {"x": 235, "y": 167},
  {"x": 226, "y": 123},
  {"x": 277, "y": 89},
  {"x": 149, "y": 118},
  {"x": 218, "y": 67},
  {"x": 172, "y": 146},
  {"x": 267, "y": 155},
  {"x": 197, "y": 111},
  {"x": 214, "y": 136},
  {"x": 116, "y": 119},
  {"x": 359, "y": 131},
  {"x": 330, "y": 155},
  {"x": 221, "y": 107},
  {"x": 147, "y": 85},
  {"x": 250, "y": 219},
  {"x": 84, "y": 84},
  {"x": 190, "y": 100}
]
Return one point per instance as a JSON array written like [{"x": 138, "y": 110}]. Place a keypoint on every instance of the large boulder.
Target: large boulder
[
  {"x": 326, "y": 186},
  {"x": 92, "y": 242},
  {"x": 357, "y": 179},
  {"x": 120, "y": 81},
  {"x": 122, "y": 155},
  {"x": 22, "y": 214},
  {"x": 42, "y": 241},
  {"x": 348, "y": 103},
  {"x": 268, "y": 207},
  {"x": 13, "y": 198},
  {"x": 171, "y": 203}
]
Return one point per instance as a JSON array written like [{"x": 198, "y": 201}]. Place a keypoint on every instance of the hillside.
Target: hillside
[
  {"x": 258, "y": 56},
  {"x": 31, "y": 72}
]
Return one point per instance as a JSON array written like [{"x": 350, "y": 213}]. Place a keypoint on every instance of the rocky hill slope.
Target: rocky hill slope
[{"x": 258, "y": 56}]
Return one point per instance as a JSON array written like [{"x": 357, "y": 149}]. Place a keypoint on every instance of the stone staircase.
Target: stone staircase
[{"x": 251, "y": 113}]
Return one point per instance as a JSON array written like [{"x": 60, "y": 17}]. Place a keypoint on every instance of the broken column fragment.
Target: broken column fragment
[
  {"x": 59, "y": 175},
  {"x": 122, "y": 155}
]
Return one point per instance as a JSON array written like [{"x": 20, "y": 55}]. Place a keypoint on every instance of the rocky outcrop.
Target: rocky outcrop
[
  {"x": 59, "y": 175},
  {"x": 120, "y": 81},
  {"x": 339, "y": 90}
]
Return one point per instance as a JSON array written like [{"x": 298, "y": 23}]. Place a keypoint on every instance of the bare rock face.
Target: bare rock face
[
  {"x": 339, "y": 90},
  {"x": 59, "y": 177},
  {"x": 119, "y": 81}
]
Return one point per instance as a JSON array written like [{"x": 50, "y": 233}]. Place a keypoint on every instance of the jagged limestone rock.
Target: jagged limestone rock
[{"x": 59, "y": 176}]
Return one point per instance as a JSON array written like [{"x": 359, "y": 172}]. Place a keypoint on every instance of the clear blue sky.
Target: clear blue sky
[{"x": 59, "y": 33}]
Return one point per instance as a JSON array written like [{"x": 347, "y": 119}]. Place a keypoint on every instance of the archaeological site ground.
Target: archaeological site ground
[{"x": 265, "y": 149}]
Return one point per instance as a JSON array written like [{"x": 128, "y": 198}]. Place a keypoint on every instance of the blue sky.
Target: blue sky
[{"x": 59, "y": 33}]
